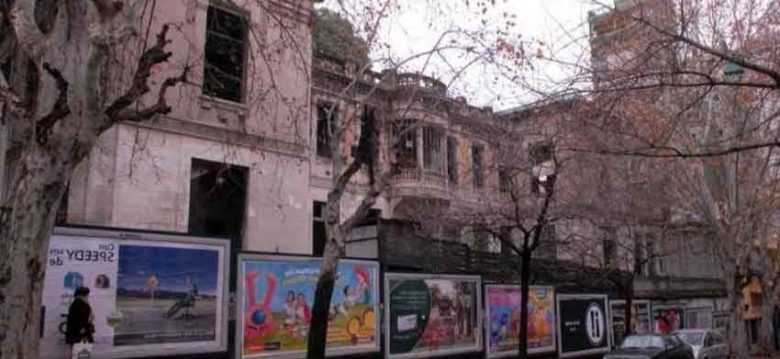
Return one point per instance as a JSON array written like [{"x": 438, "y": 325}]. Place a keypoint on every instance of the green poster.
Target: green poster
[{"x": 432, "y": 315}]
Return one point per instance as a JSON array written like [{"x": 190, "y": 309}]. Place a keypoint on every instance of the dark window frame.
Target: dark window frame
[
  {"x": 327, "y": 114},
  {"x": 406, "y": 151},
  {"x": 433, "y": 151},
  {"x": 505, "y": 182},
  {"x": 478, "y": 165},
  {"x": 214, "y": 74},
  {"x": 452, "y": 160}
]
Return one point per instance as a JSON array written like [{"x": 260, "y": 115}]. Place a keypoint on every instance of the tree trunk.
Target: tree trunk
[
  {"x": 628, "y": 311},
  {"x": 766, "y": 336},
  {"x": 318, "y": 330},
  {"x": 737, "y": 337},
  {"x": 525, "y": 274},
  {"x": 26, "y": 220}
]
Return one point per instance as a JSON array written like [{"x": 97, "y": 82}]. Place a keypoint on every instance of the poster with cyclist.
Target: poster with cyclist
[{"x": 149, "y": 295}]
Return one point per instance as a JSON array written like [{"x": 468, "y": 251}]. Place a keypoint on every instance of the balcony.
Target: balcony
[
  {"x": 420, "y": 183},
  {"x": 421, "y": 82}
]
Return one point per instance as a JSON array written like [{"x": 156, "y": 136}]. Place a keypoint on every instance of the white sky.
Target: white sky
[{"x": 556, "y": 27}]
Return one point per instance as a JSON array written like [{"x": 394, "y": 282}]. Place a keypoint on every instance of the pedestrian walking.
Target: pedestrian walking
[{"x": 79, "y": 327}]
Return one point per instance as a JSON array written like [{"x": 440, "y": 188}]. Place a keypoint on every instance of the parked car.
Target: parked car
[
  {"x": 651, "y": 346},
  {"x": 706, "y": 343}
]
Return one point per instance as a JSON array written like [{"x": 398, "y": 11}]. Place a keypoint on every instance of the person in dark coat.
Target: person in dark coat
[{"x": 79, "y": 324}]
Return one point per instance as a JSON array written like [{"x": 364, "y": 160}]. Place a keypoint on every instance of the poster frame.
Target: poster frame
[
  {"x": 220, "y": 342},
  {"x": 643, "y": 302},
  {"x": 607, "y": 324},
  {"x": 530, "y": 351},
  {"x": 441, "y": 352},
  {"x": 239, "y": 305},
  {"x": 668, "y": 306}
]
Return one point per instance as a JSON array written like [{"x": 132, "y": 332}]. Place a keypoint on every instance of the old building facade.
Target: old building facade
[{"x": 246, "y": 155}]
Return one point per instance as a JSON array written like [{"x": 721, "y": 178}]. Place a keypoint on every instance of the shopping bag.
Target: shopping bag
[{"x": 82, "y": 350}]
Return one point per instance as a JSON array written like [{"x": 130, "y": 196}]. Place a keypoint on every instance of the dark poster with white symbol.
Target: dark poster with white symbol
[{"x": 582, "y": 324}]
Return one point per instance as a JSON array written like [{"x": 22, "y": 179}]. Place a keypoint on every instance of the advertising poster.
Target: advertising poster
[
  {"x": 582, "y": 325},
  {"x": 640, "y": 318},
  {"x": 431, "y": 315},
  {"x": 277, "y": 294},
  {"x": 149, "y": 295},
  {"x": 668, "y": 319},
  {"x": 503, "y": 318}
]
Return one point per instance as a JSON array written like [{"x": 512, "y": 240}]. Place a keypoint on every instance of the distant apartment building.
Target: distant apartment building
[{"x": 680, "y": 271}]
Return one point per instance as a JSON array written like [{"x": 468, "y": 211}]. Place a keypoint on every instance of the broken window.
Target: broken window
[
  {"x": 505, "y": 179},
  {"x": 223, "y": 70},
  {"x": 405, "y": 142},
  {"x": 433, "y": 151},
  {"x": 217, "y": 200},
  {"x": 319, "y": 235},
  {"x": 326, "y": 116},
  {"x": 452, "y": 159},
  {"x": 478, "y": 165}
]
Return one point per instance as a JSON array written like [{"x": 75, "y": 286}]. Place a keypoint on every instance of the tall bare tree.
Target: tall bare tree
[
  {"x": 689, "y": 88},
  {"x": 55, "y": 104},
  {"x": 377, "y": 117}
]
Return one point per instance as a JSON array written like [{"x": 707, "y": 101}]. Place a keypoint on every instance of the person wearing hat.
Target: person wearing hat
[{"x": 79, "y": 325}]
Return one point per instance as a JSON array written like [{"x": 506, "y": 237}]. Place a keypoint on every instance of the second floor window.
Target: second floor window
[
  {"x": 326, "y": 114},
  {"x": 452, "y": 159},
  {"x": 478, "y": 165},
  {"x": 433, "y": 151},
  {"x": 223, "y": 70},
  {"x": 404, "y": 142}
]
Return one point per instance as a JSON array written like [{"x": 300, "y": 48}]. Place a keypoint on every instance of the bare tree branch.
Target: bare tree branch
[
  {"x": 60, "y": 109},
  {"x": 153, "y": 56},
  {"x": 30, "y": 37},
  {"x": 672, "y": 152},
  {"x": 773, "y": 74},
  {"x": 159, "y": 108}
]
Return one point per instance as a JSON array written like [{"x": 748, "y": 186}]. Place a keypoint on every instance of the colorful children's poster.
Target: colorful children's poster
[
  {"x": 503, "y": 304},
  {"x": 432, "y": 315},
  {"x": 150, "y": 295},
  {"x": 277, "y": 294}
]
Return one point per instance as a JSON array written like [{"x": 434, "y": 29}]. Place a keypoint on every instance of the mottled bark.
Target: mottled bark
[
  {"x": 25, "y": 227},
  {"x": 318, "y": 330},
  {"x": 737, "y": 337},
  {"x": 766, "y": 331},
  {"x": 336, "y": 229},
  {"x": 54, "y": 116}
]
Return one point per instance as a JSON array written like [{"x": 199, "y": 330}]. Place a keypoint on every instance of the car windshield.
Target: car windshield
[
  {"x": 642, "y": 342},
  {"x": 691, "y": 338}
]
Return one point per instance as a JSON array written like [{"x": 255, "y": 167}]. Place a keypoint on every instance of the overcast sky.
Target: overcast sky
[{"x": 557, "y": 28}]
